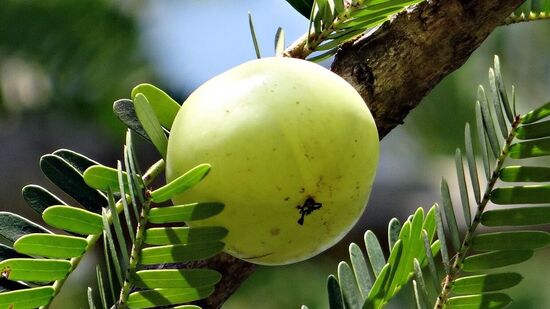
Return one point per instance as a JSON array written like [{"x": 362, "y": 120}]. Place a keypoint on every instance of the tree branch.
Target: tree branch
[{"x": 393, "y": 68}]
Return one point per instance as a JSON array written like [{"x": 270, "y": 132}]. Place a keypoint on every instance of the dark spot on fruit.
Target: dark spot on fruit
[
  {"x": 275, "y": 231},
  {"x": 278, "y": 188},
  {"x": 298, "y": 102},
  {"x": 353, "y": 155},
  {"x": 287, "y": 198},
  {"x": 309, "y": 206},
  {"x": 274, "y": 149},
  {"x": 302, "y": 190}
]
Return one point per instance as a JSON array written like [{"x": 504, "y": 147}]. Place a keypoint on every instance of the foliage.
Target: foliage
[
  {"x": 334, "y": 22},
  {"x": 137, "y": 233},
  {"x": 502, "y": 134},
  {"x": 54, "y": 256},
  {"x": 531, "y": 10}
]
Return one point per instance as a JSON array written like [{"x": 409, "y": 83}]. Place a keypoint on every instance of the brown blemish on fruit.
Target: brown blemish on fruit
[
  {"x": 287, "y": 198},
  {"x": 275, "y": 231},
  {"x": 302, "y": 190}
]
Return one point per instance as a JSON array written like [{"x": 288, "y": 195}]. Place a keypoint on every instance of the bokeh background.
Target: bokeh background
[{"x": 63, "y": 63}]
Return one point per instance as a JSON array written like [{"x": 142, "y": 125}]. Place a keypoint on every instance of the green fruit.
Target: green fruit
[{"x": 293, "y": 149}]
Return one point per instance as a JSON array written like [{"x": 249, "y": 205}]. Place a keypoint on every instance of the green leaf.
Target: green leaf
[
  {"x": 495, "y": 259},
  {"x": 412, "y": 247},
  {"x": 125, "y": 208},
  {"x": 490, "y": 129},
  {"x": 39, "y": 198},
  {"x": 348, "y": 285},
  {"x": 422, "y": 296},
  {"x": 441, "y": 238},
  {"x": 516, "y": 216},
  {"x": 51, "y": 245},
  {"x": 485, "y": 283},
  {"x": 450, "y": 215},
  {"x": 362, "y": 275},
  {"x": 181, "y": 184},
  {"x": 77, "y": 160},
  {"x": 181, "y": 278},
  {"x": 496, "y": 103},
  {"x": 530, "y": 149},
  {"x": 482, "y": 143},
  {"x": 502, "y": 91},
  {"x": 91, "y": 298},
  {"x": 182, "y": 213},
  {"x": 108, "y": 268},
  {"x": 279, "y": 42},
  {"x": 335, "y": 298},
  {"x": 103, "y": 178},
  {"x": 472, "y": 162},
  {"x": 66, "y": 177},
  {"x": 163, "y": 105},
  {"x": 537, "y": 114},
  {"x": 302, "y": 6},
  {"x": 101, "y": 288},
  {"x": 464, "y": 197},
  {"x": 430, "y": 260},
  {"x": 39, "y": 270},
  {"x": 73, "y": 219},
  {"x": 394, "y": 227},
  {"x": 534, "y": 194},
  {"x": 180, "y": 253},
  {"x": 514, "y": 240},
  {"x": 27, "y": 298},
  {"x": 374, "y": 251},
  {"x": 163, "y": 297},
  {"x": 525, "y": 174},
  {"x": 108, "y": 239},
  {"x": 430, "y": 224},
  {"x": 253, "y": 34},
  {"x": 376, "y": 295},
  {"x": 125, "y": 111},
  {"x": 536, "y": 130},
  {"x": 183, "y": 235},
  {"x": 419, "y": 302},
  {"x": 150, "y": 123},
  {"x": 381, "y": 289},
  {"x": 323, "y": 56},
  {"x": 115, "y": 223},
  {"x": 481, "y": 301},
  {"x": 13, "y": 226}
]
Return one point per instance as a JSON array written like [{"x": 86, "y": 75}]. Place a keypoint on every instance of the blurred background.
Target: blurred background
[{"x": 63, "y": 63}]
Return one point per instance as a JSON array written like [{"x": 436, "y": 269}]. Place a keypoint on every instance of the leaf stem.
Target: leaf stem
[
  {"x": 134, "y": 256},
  {"x": 306, "y": 44},
  {"x": 466, "y": 244},
  {"x": 148, "y": 177}
]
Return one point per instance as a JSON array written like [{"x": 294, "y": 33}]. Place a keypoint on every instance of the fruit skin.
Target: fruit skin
[{"x": 277, "y": 132}]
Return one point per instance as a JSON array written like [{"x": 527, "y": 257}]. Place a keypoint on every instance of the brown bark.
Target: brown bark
[{"x": 393, "y": 68}]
